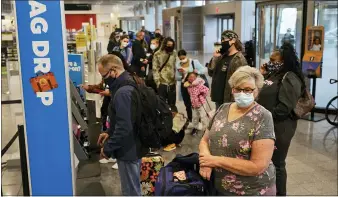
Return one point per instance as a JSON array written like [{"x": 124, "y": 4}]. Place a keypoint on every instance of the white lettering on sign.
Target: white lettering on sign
[
  {"x": 40, "y": 48},
  {"x": 37, "y": 23},
  {"x": 36, "y": 8},
  {"x": 74, "y": 67},
  {"x": 46, "y": 97}
]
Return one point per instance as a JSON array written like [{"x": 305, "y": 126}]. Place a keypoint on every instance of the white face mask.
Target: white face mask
[
  {"x": 184, "y": 60},
  {"x": 244, "y": 100},
  {"x": 153, "y": 46},
  {"x": 124, "y": 44}
]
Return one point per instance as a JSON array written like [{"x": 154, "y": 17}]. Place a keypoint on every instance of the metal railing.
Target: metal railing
[{"x": 23, "y": 158}]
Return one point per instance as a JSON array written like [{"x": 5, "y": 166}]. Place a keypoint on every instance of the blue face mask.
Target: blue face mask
[{"x": 244, "y": 100}]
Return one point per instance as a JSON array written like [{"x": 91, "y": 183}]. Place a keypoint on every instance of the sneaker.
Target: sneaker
[
  {"x": 104, "y": 160},
  {"x": 194, "y": 132},
  {"x": 190, "y": 125},
  {"x": 115, "y": 167},
  {"x": 170, "y": 147},
  {"x": 200, "y": 127}
]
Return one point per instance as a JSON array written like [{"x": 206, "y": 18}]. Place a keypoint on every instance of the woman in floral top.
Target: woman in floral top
[{"x": 239, "y": 142}]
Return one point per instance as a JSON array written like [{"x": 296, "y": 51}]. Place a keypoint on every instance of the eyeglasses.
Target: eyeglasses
[
  {"x": 105, "y": 75},
  {"x": 245, "y": 90}
]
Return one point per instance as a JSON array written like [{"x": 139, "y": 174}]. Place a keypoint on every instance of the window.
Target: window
[{"x": 326, "y": 14}]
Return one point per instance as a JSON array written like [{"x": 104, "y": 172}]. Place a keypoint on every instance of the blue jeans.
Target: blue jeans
[{"x": 130, "y": 177}]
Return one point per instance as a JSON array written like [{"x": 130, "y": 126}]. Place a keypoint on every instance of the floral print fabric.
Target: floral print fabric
[
  {"x": 234, "y": 139},
  {"x": 150, "y": 168}
]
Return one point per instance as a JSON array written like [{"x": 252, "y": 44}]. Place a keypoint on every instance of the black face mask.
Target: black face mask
[
  {"x": 109, "y": 81},
  {"x": 157, "y": 35},
  {"x": 225, "y": 47},
  {"x": 169, "y": 49}
]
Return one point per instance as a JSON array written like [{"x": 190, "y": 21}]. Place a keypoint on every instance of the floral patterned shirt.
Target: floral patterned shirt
[{"x": 234, "y": 139}]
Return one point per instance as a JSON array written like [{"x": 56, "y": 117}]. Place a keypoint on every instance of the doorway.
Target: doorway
[
  {"x": 214, "y": 25},
  {"x": 277, "y": 23}
]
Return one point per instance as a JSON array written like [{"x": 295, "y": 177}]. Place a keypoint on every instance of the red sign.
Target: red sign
[{"x": 217, "y": 9}]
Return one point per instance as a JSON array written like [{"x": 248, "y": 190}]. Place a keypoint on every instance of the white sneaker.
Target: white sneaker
[
  {"x": 110, "y": 160},
  {"x": 199, "y": 127},
  {"x": 190, "y": 126},
  {"x": 115, "y": 166}
]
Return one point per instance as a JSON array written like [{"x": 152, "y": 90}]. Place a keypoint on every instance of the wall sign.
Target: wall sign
[
  {"x": 46, "y": 97},
  {"x": 76, "y": 70}
]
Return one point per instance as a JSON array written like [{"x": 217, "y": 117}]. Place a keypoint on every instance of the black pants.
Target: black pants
[
  {"x": 187, "y": 101},
  {"x": 168, "y": 93},
  {"x": 104, "y": 112},
  {"x": 284, "y": 132}
]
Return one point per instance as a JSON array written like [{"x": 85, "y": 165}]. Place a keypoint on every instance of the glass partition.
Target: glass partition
[{"x": 326, "y": 14}]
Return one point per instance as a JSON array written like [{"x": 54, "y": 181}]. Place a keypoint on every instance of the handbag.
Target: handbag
[
  {"x": 206, "y": 83},
  {"x": 43, "y": 82},
  {"x": 304, "y": 104}
]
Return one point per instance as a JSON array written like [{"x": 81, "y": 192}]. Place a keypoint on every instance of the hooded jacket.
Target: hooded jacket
[
  {"x": 167, "y": 75},
  {"x": 198, "y": 93}
]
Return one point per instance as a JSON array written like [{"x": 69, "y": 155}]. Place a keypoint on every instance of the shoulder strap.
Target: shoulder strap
[
  {"x": 164, "y": 63},
  {"x": 193, "y": 65}
]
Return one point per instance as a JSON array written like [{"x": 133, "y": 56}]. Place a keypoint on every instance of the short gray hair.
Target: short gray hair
[
  {"x": 111, "y": 59},
  {"x": 245, "y": 73}
]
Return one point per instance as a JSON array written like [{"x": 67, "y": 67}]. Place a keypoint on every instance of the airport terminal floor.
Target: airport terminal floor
[{"x": 200, "y": 31}]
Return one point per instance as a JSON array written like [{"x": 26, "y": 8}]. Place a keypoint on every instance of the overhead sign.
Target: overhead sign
[
  {"x": 46, "y": 97},
  {"x": 76, "y": 70},
  {"x": 314, "y": 47}
]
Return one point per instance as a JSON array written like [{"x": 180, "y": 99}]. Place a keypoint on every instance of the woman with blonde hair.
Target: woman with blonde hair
[{"x": 239, "y": 142}]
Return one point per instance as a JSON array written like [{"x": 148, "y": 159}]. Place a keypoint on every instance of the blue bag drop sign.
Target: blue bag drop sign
[
  {"x": 45, "y": 95},
  {"x": 76, "y": 71}
]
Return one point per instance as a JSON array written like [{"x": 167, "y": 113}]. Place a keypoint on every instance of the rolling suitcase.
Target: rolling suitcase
[{"x": 150, "y": 168}]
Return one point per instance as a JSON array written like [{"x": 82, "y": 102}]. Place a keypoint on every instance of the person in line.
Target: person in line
[
  {"x": 274, "y": 64},
  {"x": 183, "y": 67},
  {"x": 317, "y": 46},
  {"x": 124, "y": 49},
  {"x": 145, "y": 41},
  {"x": 147, "y": 37},
  {"x": 239, "y": 143},
  {"x": 159, "y": 36},
  {"x": 114, "y": 39},
  {"x": 139, "y": 61},
  {"x": 104, "y": 135},
  {"x": 223, "y": 64},
  {"x": 288, "y": 38},
  {"x": 123, "y": 142},
  {"x": 198, "y": 93},
  {"x": 279, "y": 95},
  {"x": 178, "y": 131},
  {"x": 164, "y": 71},
  {"x": 154, "y": 47}
]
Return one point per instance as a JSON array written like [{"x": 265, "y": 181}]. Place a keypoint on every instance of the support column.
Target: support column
[{"x": 158, "y": 14}]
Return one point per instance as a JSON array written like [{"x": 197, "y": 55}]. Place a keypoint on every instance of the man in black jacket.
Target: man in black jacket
[
  {"x": 123, "y": 142},
  {"x": 139, "y": 61}
]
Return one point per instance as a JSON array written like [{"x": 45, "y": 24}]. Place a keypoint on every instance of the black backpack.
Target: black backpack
[{"x": 154, "y": 119}]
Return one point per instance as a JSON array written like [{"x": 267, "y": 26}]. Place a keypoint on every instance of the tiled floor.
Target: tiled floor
[{"x": 311, "y": 162}]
